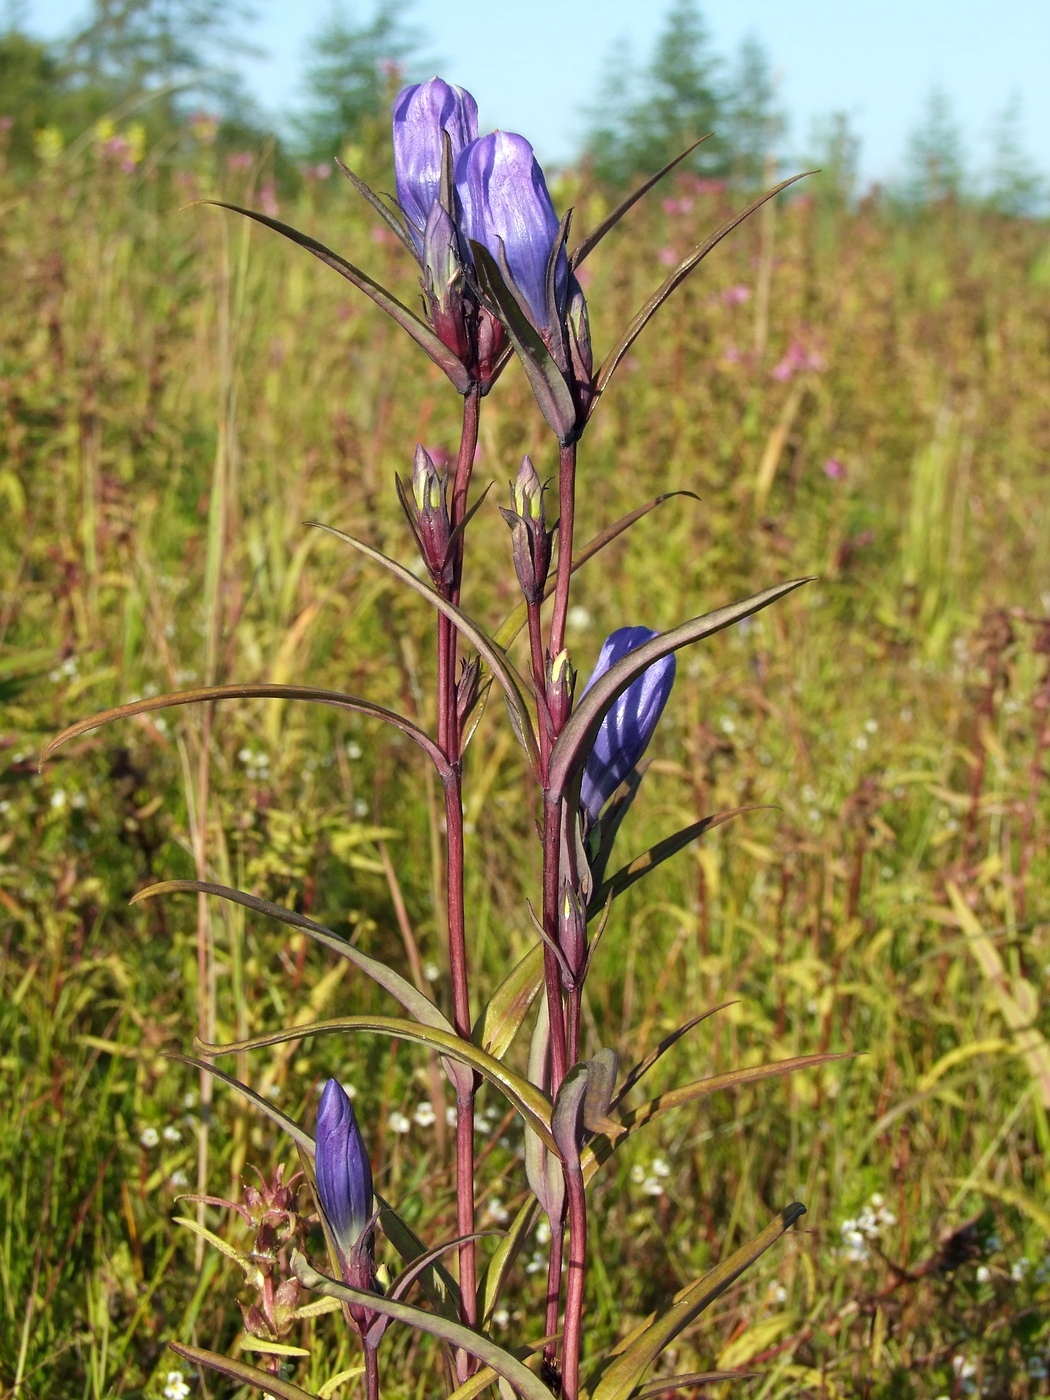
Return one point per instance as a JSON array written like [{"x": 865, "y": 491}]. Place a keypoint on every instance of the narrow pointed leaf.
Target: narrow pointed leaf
[
  {"x": 514, "y": 687},
  {"x": 299, "y": 1136},
  {"x": 455, "y": 1334},
  {"x": 438, "y": 1284},
  {"x": 644, "y": 1066},
  {"x": 422, "y": 1264},
  {"x": 207, "y": 694},
  {"x": 588, "y": 244},
  {"x": 528, "y": 1100},
  {"x": 619, "y": 1379},
  {"x": 387, "y": 215},
  {"x": 503, "y": 1257},
  {"x": 242, "y": 1260},
  {"x": 415, "y": 1002},
  {"x": 626, "y": 876},
  {"x": 677, "y": 277},
  {"x": 406, "y": 319},
  {"x": 241, "y": 1371},
  {"x": 601, "y": 1149},
  {"x": 502, "y": 1017},
  {"x": 576, "y": 740},
  {"x": 663, "y": 1385},
  {"x": 548, "y": 383},
  {"x": 486, "y": 1376}
]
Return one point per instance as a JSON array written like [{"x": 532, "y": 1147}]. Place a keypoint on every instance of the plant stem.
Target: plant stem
[
  {"x": 552, "y": 972},
  {"x": 566, "y": 518},
  {"x": 371, "y": 1373},
  {"x": 574, "y": 1286},
  {"x": 553, "y": 1287}
]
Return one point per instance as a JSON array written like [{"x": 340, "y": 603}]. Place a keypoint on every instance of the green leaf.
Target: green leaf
[
  {"x": 216, "y": 1242},
  {"x": 503, "y": 1257},
  {"x": 626, "y": 876},
  {"x": 414, "y": 1271},
  {"x": 241, "y": 1371},
  {"x": 502, "y": 1016},
  {"x": 663, "y": 1385},
  {"x": 576, "y": 740},
  {"x": 515, "y": 621},
  {"x": 592, "y": 240},
  {"x": 527, "y": 1099},
  {"x": 438, "y": 1284},
  {"x": 387, "y": 215},
  {"x": 677, "y": 277},
  {"x": 454, "y": 1333},
  {"x": 514, "y": 687},
  {"x": 299, "y": 1136},
  {"x": 644, "y": 1066},
  {"x": 547, "y": 381},
  {"x": 601, "y": 1149},
  {"x": 415, "y": 1002},
  {"x": 206, "y": 694},
  {"x": 619, "y": 1378},
  {"x": 420, "y": 332}
]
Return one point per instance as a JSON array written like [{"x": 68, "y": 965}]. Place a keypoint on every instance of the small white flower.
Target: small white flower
[
  {"x": 660, "y": 1167},
  {"x": 536, "y": 1264},
  {"x": 175, "y": 1387},
  {"x": 431, "y": 971},
  {"x": 543, "y": 1232},
  {"x": 424, "y": 1116},
  {"x": 652, "y": 1187},
  {"x": 578, "y": 618},
  {"x": 353, "y": 751},
  {"x": 350, "y": 1090},
  {"x": 860, "y": 743},
  {"x": 637, "y": 1174},
  {"x": 58, "y": 799},
  {"x": 496, "y": 1212},
  {"x": 872, "y": 726},
  {"x": 149, "y": 1137},
  {"x": 189, "y": 1099},
  {"x": 1019, "y": 1269},
  {"x": 984, "y": 1273},
  {"x": 876, "y": 1200},
  {"x": 399, "y": 1123},
  {"x": 726, "y": 725},
  {"x": 171, "y": 1134},
  {"x": 451, "y": 1116},
  {"x": 500, "y": 1317},
  {"x": 777, "y": 1293},
  {"x": 179, "y": 1179},
  {"x": 360, "y": 807}
]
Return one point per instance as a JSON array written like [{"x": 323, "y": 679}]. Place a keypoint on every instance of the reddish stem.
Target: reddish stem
[
  {"x": 566, "y": 518},
  {"x": 574, "y": 1286}
]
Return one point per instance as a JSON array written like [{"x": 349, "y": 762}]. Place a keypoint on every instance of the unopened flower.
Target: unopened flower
[
  {"x": 628, "y": 726},
  {"x": 531, "y": 540},
  {"x": 424, "y": 115},
  {"x": 502, "y": 203},
  {"x": 344, "y": 1184}
]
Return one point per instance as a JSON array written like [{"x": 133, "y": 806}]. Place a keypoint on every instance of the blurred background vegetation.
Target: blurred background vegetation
[{"x": 854, "y": 385}]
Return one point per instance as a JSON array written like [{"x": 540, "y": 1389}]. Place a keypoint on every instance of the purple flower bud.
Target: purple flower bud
[
  {"x": 422, "y": 115},
  {"x": 627, "y": 728},
  {"x": 531, "y": 539},
  {"x": 501, "y": 197},
  {"x": 344, "y": 1174},
  {"x": 427, "y": 511}
]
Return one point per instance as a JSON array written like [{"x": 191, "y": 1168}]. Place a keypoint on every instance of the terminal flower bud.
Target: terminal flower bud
[
  {"x": 344, "y": 1185},
  {"x": 561, "y": 682},
  {"x": 572, "y": 936},
  {"x": 443, "y": 283},
  {"x": 628, "y": 726},
  {"x": 426, "y": 509},
  {"x": 423, "y": 114},
  {"x": 528, "y": 525},
  {"x": 502, "y": 203}
]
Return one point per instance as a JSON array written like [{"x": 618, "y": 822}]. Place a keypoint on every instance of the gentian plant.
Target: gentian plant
[{"x": 498, "y": 277}]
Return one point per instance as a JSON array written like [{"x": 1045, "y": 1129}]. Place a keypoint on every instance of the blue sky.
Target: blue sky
[{"x": 876, "y": 60}]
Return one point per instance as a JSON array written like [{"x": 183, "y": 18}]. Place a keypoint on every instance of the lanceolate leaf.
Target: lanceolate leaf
[
  {"x": 677, "y": 277},
  {"x": 514, "y": 687},
  {"x": 241, "y": 1371},
  {"x": 206, "y": 694},
  {"x": 601, "y": 1149},
  {"x": 454, "y": 1333},
  {"x": 438, "y": 1284},
  {"x": 515, "y": 621},
  {"x": 501, "y": 1018},
  {"x": 644, "y": 1066},
  {"x": 387, "y": 215},
  {"x": 656, "y": 855},
  {"x": 592, "y": 240},
  {"x": 299, "y": 1136},
  {"x": 503, "y": 1257},
  {"x": 421, "y": 1265},
  {"x": 664, "y": 1385},
  {"x": 576, "y": 740},
  {"x": 619, "y": 1378},
  {"x": 548, "y": 382},
  {"x": 406, "y": 319},
  {"x": 413, "y": 1000},
  {"x": 533, "y": 1105}
]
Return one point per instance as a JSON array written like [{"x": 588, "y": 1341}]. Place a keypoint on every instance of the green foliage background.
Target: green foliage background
[{"x": 872, "y": 412}]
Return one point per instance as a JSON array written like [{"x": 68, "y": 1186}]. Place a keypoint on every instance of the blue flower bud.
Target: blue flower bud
[
  {"x": 501, "y": 198},
  {"x": 344, "y": 1174},
  {"x": 627, "y": 728},
  {"x": 422, "y": 115}
]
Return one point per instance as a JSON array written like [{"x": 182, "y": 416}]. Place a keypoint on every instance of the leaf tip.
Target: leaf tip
[{"x": 792, "y": 1213}]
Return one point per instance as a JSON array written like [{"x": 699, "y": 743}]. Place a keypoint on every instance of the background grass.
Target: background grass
[{"x": 855, "y": 394}]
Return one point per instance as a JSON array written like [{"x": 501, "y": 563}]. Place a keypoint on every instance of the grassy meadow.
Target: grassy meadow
[{"x": 860, "y": 394}]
